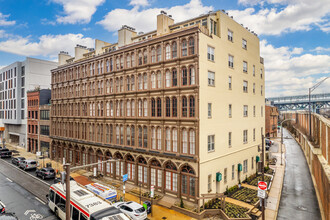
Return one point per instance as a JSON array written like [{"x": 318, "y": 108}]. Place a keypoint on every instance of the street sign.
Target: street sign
[
  {"x": 262, "y": 185},
  {"x": 125, "y": 177}
]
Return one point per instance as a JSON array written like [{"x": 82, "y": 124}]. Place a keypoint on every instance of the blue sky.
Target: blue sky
[{"x": 294, "y": 34}]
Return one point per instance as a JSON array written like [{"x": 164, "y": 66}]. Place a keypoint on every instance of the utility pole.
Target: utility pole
[
  {"x": 67, "y": 191},
  {"x": 263, "y": 174}
]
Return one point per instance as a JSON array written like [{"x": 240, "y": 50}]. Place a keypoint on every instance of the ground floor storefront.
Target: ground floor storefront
[{"x": 169, "y": 175}]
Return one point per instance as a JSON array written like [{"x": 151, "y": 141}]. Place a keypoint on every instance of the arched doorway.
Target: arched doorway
[
  {"x": 171, "y": 177},
  {"x": 188, "y": 181},
  {"x": 142, "y": 171},
  {"x": 156, "y": 174}
]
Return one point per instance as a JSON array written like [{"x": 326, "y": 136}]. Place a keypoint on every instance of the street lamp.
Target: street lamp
[
  {"x": 310, "y": 90},
  {"x": 282, "y": 136}
]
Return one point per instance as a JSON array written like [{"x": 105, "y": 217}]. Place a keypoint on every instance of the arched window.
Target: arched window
[
  {"x": 184, "y": 48},
  {"x": 167, "y": 52},
  {"x": 121, "y": 62},
  {"x": 108, "y": 86},
  {"x": 191, "y": 106},
  {"x": 121, "y": 135},
  {"x": 133, "y": 59},
  {"x": 140, "y": 136},
  {"x": 159, "y": 53},
  {"x": 128, "y": 108},
  {"x": 174, "y": 50},
  {"x": 168, "y": 139},
  {"x": 117, "y": 134},
  {"x": 145, "y": 57},
  {"x": 111, "y": 108},
  {"x": 145, "y": 107},
  {"x": 191, "y": 75},
  {"x": 159, "y": 80},
  {"x": 98, "y": 67},
  {"x": 159, "y": 107},
  {"x": 121, "y": 84},
  {"x": 117, "y": 63},
  {"x": 111, "y": 86},
  {"x": 133, "y": 108},
  {"x": 191, "y": 46},
  {"x": 174, "y": 77},
  {"x": 117, "y": 85},
  {"x": 188, "y": 181},
  {"x": 128, "y": 61},
  {"x": 153, "y": 107},
  {"x": 153, "y": 138},
  {"x": 192, "y": 141},
  {"x": 107, "y": 134},
  {"x": 159, "y": 138},
  {"x": 153, "y": 80},
  {"x": 132, "y": 83},
  {"x": 168, "y": 78},
  {"x": 133, "y": 136},
  {"x": 142, "y": 171},
  {"x": 128, "y": 83},
  {"x": 140, "y": 107},
  {"x": 140, "y": 58},
  {"x": 174, "y": 107},
  {"x": 128, "y": 135},
  {"x": 111, "y": 64},
  {"x": 175, "y": 139},
  {"x": 130, "y": 167},
  {"x": 171, "y": 177},
  {"x": 107, "y": 66},
  {"x": 117, "y": 108},
  {"x": 156, "y": 174},
  {"x": 184, "y": 76},
  {"x": 184, "y": 141},
  {"x": 140, "y": 82},
  {"x": 111, "y": 134},
  {"x": 153, "y": 55},
  {"x": 168, "y": 107},
  {"x": 145, "y": 81},
  {"x": 184, "y": 106}
]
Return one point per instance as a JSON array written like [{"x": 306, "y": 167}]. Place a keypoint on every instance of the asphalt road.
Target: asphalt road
[
  {"x": 298, "y": 199},
  {"x": 23, "y": 194}
]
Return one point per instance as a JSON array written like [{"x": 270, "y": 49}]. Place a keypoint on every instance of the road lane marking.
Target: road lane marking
[
  {"x": 28, "y": 211},
  {"x": 40, "y": 200},
  {"x": 10, "y": 164},
  {"x": 9, "y": 180}
]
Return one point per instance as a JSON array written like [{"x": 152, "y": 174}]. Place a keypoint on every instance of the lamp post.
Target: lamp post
[
  {"x": 310, "y": 90},
  {"x": 282, "y": 137}
]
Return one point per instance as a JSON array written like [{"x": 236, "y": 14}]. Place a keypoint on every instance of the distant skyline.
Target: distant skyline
[{"x": 294, "y": 34}]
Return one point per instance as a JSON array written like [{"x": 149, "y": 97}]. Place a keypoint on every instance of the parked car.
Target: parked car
[
  {"x": 2, "y": 208},
  {"x": 46, "y": 173},
  {"x": 28, "y": 164},
  {"x": 5, "y": 152},
  {"x": 17, "y": 160},
  {"x": 132, "y": 209},
  {"x": 8, "y": 216}
]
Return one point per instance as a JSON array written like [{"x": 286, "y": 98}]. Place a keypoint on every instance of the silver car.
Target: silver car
[{"x": 28, "y": 164}]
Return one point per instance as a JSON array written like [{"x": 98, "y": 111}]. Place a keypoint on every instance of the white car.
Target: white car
[{"x": 132, "y": 209}]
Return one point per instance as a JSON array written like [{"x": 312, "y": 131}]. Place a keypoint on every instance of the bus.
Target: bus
[{"x": 84, "y": 205}]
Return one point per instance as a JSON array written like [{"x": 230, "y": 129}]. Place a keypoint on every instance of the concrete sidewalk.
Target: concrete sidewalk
[{"x": 274, "y": 195}]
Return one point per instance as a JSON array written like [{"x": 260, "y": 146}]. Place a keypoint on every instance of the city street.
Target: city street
[
  {"x": 23, "y": 194},
  {"x": 298, "y": 200}
]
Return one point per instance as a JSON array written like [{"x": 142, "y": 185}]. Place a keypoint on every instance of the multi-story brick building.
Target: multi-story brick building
[
  {"x": 271, "y": 121},
  {"x": 38, "y": 122},
  {"x": 176, "y": 106}
]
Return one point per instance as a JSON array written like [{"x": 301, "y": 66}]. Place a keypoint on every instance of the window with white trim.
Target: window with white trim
[
  {"x": 245, "y": 67},
  {"x": 209, "y": 110},
  {"x": 229, "y": 139},
  {"x": 231, "y": 61},
  {"x": 245, "y": 136},
  {"x": 230, "y": 35},
  {"x": 211, "y": 78},
  {"x": 210, "y": 143},
  {"x": 245, "y": 110},
  {"x": 245, "y": 86},
  {"x": 244, "y": 44},
  {"x": 245, "y": 166},
  {"x": 210, "y": 53}
]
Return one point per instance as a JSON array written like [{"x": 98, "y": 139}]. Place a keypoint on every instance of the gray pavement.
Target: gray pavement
[
  {"x": 23, "y": 194},
  {"x": 298, "y": 199}
]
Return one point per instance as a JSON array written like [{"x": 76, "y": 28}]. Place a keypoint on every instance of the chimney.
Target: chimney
[
  {"x": 163, "y": 21},
  {"x": 63, "y": 57},
  {"x": 79, "y": 51},
  {"x": 99, "y": 44},
  {"x": 125, "y": 35}
]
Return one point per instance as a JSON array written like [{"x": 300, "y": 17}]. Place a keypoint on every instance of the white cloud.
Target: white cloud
[
  {"x": 289, "y": 73},
  {"x": 145, "y": 19},
  {"x": 139, "y": 2},
  {"x": 282, "y": 16},
  {"x": 1, "y": 67},
  {"x": 4, "y": 21},
  {"x": 77, "y": 11},
  {"x": 321, "y": 49},
  {"x": 48, "y": 45}
]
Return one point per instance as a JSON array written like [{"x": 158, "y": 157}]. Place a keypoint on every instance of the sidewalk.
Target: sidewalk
[
  {"x": 159, "y": 212},
  {"x": 275, "y": 192}
]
